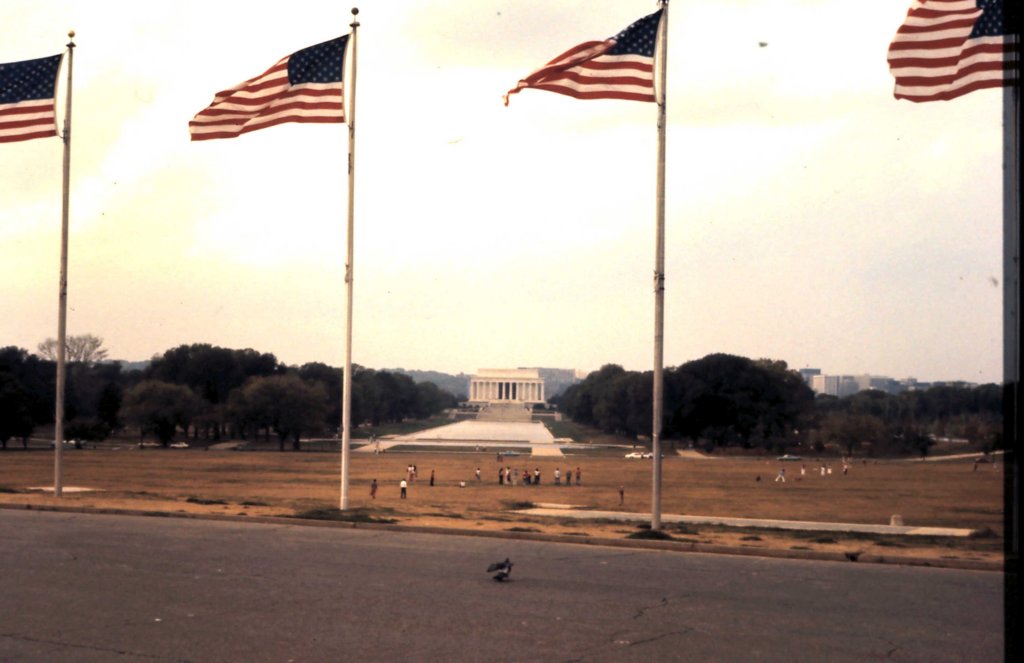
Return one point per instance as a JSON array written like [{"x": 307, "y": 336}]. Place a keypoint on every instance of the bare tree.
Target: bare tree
[{"x": 86, "y": 348}]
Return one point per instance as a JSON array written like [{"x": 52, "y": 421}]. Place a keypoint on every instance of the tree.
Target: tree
[
  {"x": 728, "y": 400},
  {"x": 431, "y": 399},
  {"x": 36, "y": 376},
  {"x": 622, "y": 404},
  {"x": 213, "y": 373},
  {"x": 330, "y": 378},
  {"x": 286, "y": 404},
  {"x": 580, "y": 401},
  {"x": 15, "y": 410},
  {"x": 853, "y": 429},
  {"x": 160, "y": 408},
  {"x": 109, "y": 405},
  {"x": 85, "y": 348},
  {"x": 382, "y": 396}
]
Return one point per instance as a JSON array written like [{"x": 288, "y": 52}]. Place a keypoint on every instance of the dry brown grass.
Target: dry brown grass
[{"x": 941, "y": 494}]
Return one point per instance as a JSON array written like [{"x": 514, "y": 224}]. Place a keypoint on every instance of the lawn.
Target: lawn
[{"x": 269, "y": 483}]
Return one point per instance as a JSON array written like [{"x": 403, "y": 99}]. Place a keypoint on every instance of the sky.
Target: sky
[{"x": 810, "y": 216}]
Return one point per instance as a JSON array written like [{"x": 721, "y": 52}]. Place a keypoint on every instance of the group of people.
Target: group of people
[
  {"x": 826, "y": 470},
  {"x": 509, "y": 476},
  {"x": 403, "y": 485}
]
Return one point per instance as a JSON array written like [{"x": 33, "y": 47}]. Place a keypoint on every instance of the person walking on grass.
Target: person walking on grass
[
  {"x": 622, "y": 495},
  {"x": 781, "y": 475},
  {"x": 373, "y": 489},
  {"x": 403, "y": 485}
]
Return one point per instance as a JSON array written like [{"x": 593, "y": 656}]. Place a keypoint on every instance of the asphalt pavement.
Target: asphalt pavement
[{"x": 96, "y": 587}]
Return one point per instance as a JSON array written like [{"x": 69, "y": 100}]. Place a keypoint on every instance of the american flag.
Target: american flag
[
  {"x": 947, "y": 48},
  {"x": 28, "y": 99},
  {"x": 618, "y": 68},
  {"x": 305, "y": 86}
]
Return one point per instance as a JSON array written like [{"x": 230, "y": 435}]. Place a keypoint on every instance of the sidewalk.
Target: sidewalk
[{"x": 582, "y": 513}]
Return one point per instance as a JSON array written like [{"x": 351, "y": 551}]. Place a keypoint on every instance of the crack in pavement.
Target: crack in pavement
[
  {"x": 642, "y": 610},
  {"x": 61, "y": 643},
  {"x": 659, "y": 637},
  {"x": 895, "y": 648}
]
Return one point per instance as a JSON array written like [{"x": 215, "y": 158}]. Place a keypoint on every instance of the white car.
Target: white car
[
  {"x": 639, "y": 454},
  {"x": 179, "y": 445}
]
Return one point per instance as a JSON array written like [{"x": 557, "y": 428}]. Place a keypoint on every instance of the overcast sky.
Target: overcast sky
[{"x": 810, "y": 216}]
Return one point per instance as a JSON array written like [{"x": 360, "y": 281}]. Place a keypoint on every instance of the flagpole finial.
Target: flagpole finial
[
  {"x": 71, "y": 36},
  {"x": 355, "y": 14}
]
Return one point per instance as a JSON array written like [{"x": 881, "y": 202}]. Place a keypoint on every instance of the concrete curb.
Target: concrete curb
[
  {"x": 641, "y": 544},
  {"x": 568, "y": 511}
]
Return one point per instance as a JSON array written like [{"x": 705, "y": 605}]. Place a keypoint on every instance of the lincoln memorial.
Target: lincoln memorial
[{"x": 506, "y": 385}]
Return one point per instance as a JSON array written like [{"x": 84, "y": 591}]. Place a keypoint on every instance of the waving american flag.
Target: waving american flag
[
  {"x": 947, "y": 48},
  {"x": 621, "y": 67},
  {"x": 305, "y": 86},
  {"x": 28, "y": 99}
]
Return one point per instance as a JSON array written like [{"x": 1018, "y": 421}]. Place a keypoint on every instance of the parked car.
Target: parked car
[
  {"x": 785, "y": 457},
  {"x": 639, "y": 454},
  {"x": 179, "y": 445}
]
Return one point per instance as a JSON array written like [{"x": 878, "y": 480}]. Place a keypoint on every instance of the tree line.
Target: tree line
[
  {"x": 202, "y": 391},
  {"x": 715, "y": 402},
  {"x": 724, "y": 401}
]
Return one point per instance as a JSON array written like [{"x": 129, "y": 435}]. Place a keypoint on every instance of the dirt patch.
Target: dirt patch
[{"x": 259, "y": 483}]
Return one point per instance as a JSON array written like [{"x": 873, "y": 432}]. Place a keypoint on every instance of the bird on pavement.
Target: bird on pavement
[{"x": 503, "y": 569}]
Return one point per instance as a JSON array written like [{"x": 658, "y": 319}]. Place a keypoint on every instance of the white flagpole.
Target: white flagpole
[
  {"x": 62, "y": 307},
  {"x": 346, "y": 381},
  {"x": 657, "y": 394}
]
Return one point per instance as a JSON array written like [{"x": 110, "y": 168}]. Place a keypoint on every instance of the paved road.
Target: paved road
[{"x": 80, "y": 587}]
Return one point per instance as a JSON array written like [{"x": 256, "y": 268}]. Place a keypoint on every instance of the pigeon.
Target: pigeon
[{"x": 503, "y": 569}]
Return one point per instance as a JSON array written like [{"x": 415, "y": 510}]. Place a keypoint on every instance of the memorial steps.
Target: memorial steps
[{"x": 505, "y": 412}]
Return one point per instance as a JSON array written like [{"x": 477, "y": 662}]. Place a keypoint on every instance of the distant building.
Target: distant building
[
  {"x": 888, "y": 385},
  {"x": 841, "y": 386},
  {"x": 825, "y": 384},
  {"x": 808, "y": 375},
  {"x": 848, "y": 386},
  {"x": 506, "y": 385},
  {"x": 557, "y": 380}
]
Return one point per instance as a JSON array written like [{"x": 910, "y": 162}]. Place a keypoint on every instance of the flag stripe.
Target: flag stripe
[
  {"x": 948, "y": 48},
  {"x": 287, "y": 92},
  {"x": 25, "y": 134},
  {"x": 243, "y": 108}
]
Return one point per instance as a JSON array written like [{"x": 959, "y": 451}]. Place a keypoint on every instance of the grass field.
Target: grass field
[{"x": 268, "y": 483}]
